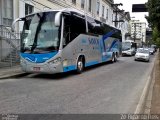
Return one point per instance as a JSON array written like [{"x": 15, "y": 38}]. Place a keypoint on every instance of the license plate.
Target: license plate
[{"x": 36, "y": 68}]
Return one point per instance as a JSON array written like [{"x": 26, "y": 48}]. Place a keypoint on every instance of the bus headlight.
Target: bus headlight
[
  {"x": 55, "y": 61},
  {"x": 22, "y": 61},
  {"x": 65, "y": 63}
]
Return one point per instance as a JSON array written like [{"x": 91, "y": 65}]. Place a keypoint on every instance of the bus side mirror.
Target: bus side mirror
[
  {"x": 58, "y": 19},
  {"x": 13, "y": 24}
]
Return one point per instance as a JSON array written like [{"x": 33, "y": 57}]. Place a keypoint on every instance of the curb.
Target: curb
[
  {"x": 13, "y": 75},
  {"x": 140, "y": 109}
]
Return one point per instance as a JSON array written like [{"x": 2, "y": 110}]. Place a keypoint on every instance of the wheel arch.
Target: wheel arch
[{"x": 83, "y": 58}]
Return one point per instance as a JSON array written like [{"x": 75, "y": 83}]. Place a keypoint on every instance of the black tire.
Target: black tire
[
  {"x": 113, "y": 58},
  {"x": 116, "y": 57},
  {"x": 80, "y": 65}
]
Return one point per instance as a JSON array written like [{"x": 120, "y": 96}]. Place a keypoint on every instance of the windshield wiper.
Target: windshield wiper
[{"x": 26, "y": 49}]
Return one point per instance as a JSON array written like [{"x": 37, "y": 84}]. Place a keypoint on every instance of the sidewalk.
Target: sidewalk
[
  {"x": 155, "y": 102},
  {"x": 10, "y": 72}
]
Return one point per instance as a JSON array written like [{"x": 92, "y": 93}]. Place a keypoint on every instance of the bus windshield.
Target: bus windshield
[
  {"x": 126, "y": 45},
  {"x": 40, "y": 35}
]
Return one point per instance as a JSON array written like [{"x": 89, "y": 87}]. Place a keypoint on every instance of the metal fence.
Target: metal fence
[{"x": 9, "y": 47}]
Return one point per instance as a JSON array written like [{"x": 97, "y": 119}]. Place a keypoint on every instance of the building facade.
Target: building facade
[
  {"x": 138, "y": 31},
  {"x": 103, "y": 10}
]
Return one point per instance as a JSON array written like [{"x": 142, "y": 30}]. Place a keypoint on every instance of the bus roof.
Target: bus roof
[{"x": 67, "y": 10}]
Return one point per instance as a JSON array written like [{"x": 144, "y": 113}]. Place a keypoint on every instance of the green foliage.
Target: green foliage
[
  {"x": 154, "y": 13},
  {"x": 156, "y": 37},
  {"x": 158, "y": 41},
  {"x": 153, "y": 7},
  {"x": 156, "y": 34}
]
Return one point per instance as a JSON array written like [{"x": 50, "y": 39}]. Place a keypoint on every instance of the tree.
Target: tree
[
  {"x": 153, "y": 7},
  {"x": 154, "y": 13}
]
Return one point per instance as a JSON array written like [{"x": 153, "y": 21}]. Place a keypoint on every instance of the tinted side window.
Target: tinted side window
[
  {"x": 73, "y": 27},
  {"x": 94, "y": 26},
  {"x": 77, "y": 26}
]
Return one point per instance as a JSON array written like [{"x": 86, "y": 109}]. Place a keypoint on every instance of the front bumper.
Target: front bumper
[
  {"x": 41, "y": 68},
  {"x": 126, "y": 53},
  {"x": 142, "y": 58}
]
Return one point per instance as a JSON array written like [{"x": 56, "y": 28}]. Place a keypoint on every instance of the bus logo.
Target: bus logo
[{"x": 93, "y": 41}]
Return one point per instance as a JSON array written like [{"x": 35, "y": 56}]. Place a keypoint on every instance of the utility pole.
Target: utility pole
[
  {"x": 135, "y": 30},
  {"x": 85, "y": 11},
  {"x": 142, "y": 39},
  {"x": 116, "y": 12}
]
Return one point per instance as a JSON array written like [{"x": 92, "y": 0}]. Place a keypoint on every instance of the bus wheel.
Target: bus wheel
[
  {"x": 113, "y": 58},
  {"x": 80, "y": 65}
]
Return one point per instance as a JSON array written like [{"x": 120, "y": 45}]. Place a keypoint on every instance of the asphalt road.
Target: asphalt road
[{"x": 108, "y": 88}]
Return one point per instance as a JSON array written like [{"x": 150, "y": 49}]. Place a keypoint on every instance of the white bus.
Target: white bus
[
  {"x": 129, "y": 48},
  {"x": 64, "y": 40}
]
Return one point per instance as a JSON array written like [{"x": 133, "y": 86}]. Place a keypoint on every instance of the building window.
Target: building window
[
  {"x": 8, "y": 12},
  {"x": 28, "y": 9},
  {"x": 107, "y": 14},
  {"x": 102, "y": 10},
  {"x": 74, "y": 2},
  {"x": 112, "y": 17},
  {"x": 82, "y": 3},
  {"x": 98, "y": 6},
  {"x": 89, "y": 9}
]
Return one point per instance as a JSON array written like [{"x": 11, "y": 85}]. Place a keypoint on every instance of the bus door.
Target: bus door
[{"x": 74, "y": 27}]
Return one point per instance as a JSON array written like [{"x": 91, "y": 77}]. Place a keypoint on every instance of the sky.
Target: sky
[{"x": 127, "y": 6}]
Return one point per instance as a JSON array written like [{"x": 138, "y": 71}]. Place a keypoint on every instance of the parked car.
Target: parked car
[
  {"x": 139, "y": 49},
  {"x": 142, "y": 54},
  {"x": 151, "y": 51},
  {"x": 154, "y": 47}
]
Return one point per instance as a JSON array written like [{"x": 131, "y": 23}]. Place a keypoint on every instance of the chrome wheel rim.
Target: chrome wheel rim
[
  {"x": 80, "y": 65},
  {"x": 113, "y": 58}
]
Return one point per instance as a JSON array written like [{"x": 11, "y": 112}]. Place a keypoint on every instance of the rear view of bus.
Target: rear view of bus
[{"x": 129, "y": 48}]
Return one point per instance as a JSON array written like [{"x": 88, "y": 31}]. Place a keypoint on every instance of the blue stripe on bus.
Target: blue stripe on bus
[
  {"x": 107, "y": 57},
  {"x": 91, "y": 63},
  {"x": 109, "y": 34},
  {"x": 103, "y": 49},
  {"x": 112, "y": 45},
  {"x": 73, "y": 67},
  {"x": 38, "y": 58},
  {"x": 104, "y": 38},
  {"x": 69, "y": 68}
]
